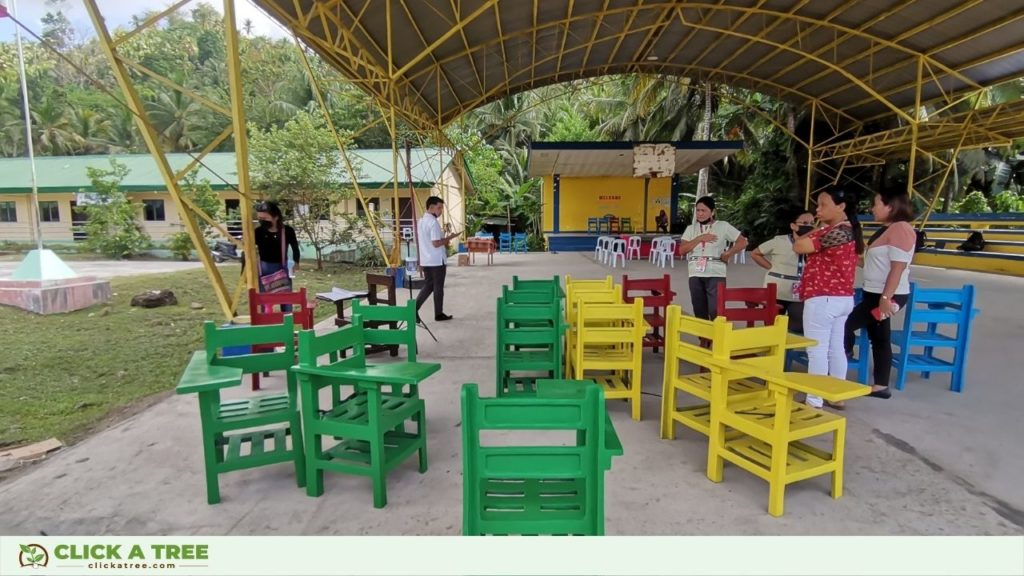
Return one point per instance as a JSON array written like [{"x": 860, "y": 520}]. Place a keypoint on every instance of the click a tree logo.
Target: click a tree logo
[{"x": 34, "y": 556}]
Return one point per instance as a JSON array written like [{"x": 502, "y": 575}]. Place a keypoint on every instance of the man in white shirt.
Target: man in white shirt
[{"x": 433, "y": 255}]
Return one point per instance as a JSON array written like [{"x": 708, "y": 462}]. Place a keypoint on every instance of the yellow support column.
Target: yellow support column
[
  {"x": 241, "y": 145},
  {"x": 810, "y": 157}
]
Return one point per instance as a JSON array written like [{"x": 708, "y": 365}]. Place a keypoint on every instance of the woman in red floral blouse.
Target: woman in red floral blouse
[{"x": 826, "y": 286}]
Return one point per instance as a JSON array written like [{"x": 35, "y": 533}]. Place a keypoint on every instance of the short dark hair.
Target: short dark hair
[
  {"x": 796, "y": 214},
  {"x": 901, "y": 209},
  {"x": 434, "y": 200},
  {"x": 708, "y": 201}
]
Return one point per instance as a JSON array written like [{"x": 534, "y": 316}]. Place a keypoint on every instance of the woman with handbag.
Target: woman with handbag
[{"x": 272, "y": 239}]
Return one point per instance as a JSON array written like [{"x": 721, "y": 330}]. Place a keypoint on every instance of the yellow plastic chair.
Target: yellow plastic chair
[
  {"x": 592, "y": 296},
  {"x": 771, "y": 427},
  {"x": 608, "y": 349},
  {"x": 697, "y": 416}
]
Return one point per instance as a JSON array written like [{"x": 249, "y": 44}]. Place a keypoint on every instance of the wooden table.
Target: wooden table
[{"x": 481, "y": 245}]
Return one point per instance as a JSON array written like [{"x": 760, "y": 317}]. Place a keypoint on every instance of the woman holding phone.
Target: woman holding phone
[{"x": 886, "y": 283}]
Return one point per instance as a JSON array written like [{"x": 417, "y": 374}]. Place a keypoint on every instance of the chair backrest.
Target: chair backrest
[
  {"x": 553, "y": 284},
  {"x": 938, "y": 307},
  {"x": 389, "y": 325},
  {"x": 592, "y": 294},
  {"x": 656, "y": 292},
  {"x": 727, "y": 341},
  {"x": 618, "y": 246},
  {"x": 267, "y": 337},
  {"x": 517, "y": 296},
  {"x": 605, "y": 323},
  {"x": 576, "y": 473},
  {"x": 585, "y": 283},
  {"x": 634, "y": 241},
  {"x": 374, "y": 284},
  {"x": 348, "y": 339},
  {"x": 757, "y": 304},
  {"x": 505, "y": 236},
  {"x": 265, "y": 308},
  {"x": 530, "y": 325}
]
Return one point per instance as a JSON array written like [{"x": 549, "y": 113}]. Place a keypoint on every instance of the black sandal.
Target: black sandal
[{"x": 883, "y": 393}]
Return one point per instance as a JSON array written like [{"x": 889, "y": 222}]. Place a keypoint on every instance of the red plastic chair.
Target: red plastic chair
[
  {"x": 265, "y": 309},
  {"x": 657, "y": 294},
  {"x": 758, "y": 304}
]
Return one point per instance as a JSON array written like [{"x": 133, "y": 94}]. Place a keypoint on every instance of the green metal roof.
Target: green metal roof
[{"x": 68, "y": 173}]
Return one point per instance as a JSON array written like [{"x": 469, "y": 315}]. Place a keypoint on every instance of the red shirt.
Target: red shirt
[{"x": 832, "y": 267}]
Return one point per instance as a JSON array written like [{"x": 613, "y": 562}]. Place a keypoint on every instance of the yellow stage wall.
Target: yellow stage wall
[{"x": 583, "y": 198}]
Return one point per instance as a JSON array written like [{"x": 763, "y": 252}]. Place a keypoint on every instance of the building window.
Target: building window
[
  {"x": 49, "y": 211},
  {"x": 154, "y": 210},
  {"x": 374, "y": 204},
  {"x": 8, "y": 213}
]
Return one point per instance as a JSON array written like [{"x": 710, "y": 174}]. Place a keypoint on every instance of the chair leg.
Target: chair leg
[
  {"x": 777, "y": 482},
  {"x": 716, "y": 444},
  {"x": 380, "y": 490},
  {"x": 210, "y": 461},
  {"x": 838, "y": 451},
  {"x": 421, "y": 431},
  {"x": 668, "y": 408},
  {"x": 298, "y": 450},
  {"x": 255, "y": 381}
]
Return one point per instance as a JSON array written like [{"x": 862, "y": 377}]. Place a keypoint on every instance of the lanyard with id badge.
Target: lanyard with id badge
[{"x": 700, "y": 264}]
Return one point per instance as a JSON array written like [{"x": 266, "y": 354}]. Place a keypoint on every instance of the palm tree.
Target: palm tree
[
  {"x": 91, "y": 131},
  {"x": 172, "y": 113},
  {"x": 53, "y": 134}
]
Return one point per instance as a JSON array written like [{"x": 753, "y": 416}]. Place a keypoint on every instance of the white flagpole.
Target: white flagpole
[{"x": 37, "y": 225}]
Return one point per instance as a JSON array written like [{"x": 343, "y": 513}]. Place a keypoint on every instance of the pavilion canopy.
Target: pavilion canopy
[{"x": 434, "y": 60}]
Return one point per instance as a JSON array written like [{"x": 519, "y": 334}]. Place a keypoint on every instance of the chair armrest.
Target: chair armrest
[
  {"x": 200, "y": 376},
  {"x": 612, "y": 444},
  {"x": 827, "y": 387},
  {"x": 396, "y": 373}
]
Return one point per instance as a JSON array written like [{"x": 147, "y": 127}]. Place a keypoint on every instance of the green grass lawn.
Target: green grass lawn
[{"x": 63, "y": 375}]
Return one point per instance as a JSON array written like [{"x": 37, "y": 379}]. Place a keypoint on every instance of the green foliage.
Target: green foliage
[
  {"x": 299, "y": 166},
  {"x": 357, "y": 235},
  {"x": 973, "y": 203},
  {"x": 204, "y": 198},
  {"x": 1007, "y": 201},
  {"x": 112, "y": 228}
]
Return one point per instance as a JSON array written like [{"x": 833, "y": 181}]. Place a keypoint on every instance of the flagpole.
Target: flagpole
[{"x": 37, "y": 225}]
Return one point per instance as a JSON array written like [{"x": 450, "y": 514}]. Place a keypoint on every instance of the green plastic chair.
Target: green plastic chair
[
  {"x": 535, "y": 490},
  {"x": 529, "y": 341},
  {"x": 545, "y": 284},
  {"x": 253, "y": 422},
  {"x": 369, "y": 426}
]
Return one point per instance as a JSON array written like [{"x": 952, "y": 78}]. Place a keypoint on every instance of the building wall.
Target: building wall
[{"x": 583, "y": 198}]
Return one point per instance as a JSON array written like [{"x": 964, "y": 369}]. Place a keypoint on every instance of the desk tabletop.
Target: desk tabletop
[{"x": 340, "y": 295}]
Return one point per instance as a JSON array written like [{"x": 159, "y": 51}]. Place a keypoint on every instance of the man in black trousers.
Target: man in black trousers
[{"x": 433, "y": 256}]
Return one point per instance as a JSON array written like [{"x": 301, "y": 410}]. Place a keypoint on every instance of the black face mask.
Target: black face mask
[
  {"x": 803, "y": 229},
  {"x": 264, "y": 224}
]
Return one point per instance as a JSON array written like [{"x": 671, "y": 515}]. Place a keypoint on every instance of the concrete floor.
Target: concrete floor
[{"x": 927, "y": 461}]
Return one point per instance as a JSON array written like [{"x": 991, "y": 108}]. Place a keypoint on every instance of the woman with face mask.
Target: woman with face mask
[
  {"x": 886, "y": 283},
  {"x": 785, "y": 267},
  {"x": 704, "y": 246},
  {"x": 826, "y": 286},
  {"x": 273, "y": 237}
]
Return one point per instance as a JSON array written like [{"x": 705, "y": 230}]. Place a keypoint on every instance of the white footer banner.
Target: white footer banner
[{"x": 457, "y": 556}]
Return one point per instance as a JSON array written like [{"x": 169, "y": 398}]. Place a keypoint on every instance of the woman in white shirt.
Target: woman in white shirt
[
  {"x": 886, "y": 283},
  {"x": 704, "y": 246}
]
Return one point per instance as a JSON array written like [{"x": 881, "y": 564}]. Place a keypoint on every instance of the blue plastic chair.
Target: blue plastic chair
[
  {"x": 935, "y": 308},
  {"x": 504, "y": 242},
  {"x": 519, "y": 242},
  {"x": 861, "y": 350}
]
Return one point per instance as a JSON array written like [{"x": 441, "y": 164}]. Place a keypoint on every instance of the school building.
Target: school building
[{"x": 63, "y": 185}]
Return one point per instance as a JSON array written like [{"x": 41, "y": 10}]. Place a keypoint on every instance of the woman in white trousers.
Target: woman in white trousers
[{"x": 826, "y": 286}]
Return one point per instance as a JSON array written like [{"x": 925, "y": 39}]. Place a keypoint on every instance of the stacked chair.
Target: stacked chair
[{"x": 605, "y": 340}]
